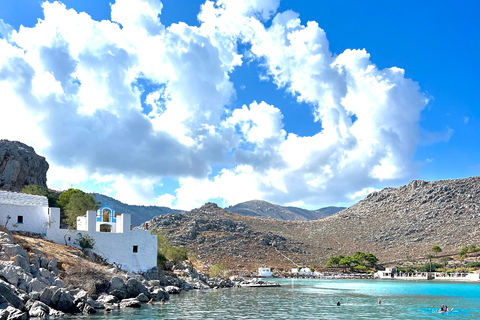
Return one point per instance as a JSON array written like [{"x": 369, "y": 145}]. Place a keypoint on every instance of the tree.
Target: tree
[
  {"x": 346, "y": 262},
  {"x": 333, "y": 262},
  {"x": 463, "y": 252},
  {"x": 84, "y": 241},
  {"x": 371, "y": 259},
  {"x": 429, "y": 257},
  {"x": 444, "y": 260},
  {"x": 78, "y": 204},
  {"x": 359, "y": 258},
  {"x": 436, "y": 249},
  {"x": 474, "y": 249}
]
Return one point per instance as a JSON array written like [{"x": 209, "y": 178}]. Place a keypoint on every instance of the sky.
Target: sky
[{"x": 303, "y": 103}]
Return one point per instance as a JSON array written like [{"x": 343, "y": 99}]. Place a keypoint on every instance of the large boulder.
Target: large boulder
[
  {"x": 21, "y": 166},
  {"x": 118, "y": 288},
  {"x": 130, "y": 303},
  {"x": 37, "y": 285},
  {"x": 37, "y": 309},
  {"x": 22, "y": 262},
  {"x": 10, "y": 274},
  {"x": 15, "y": 314},
  {"x": 135, "y": 287},
  {"x": 62, "y": 301},
  {"x": 7, "y": 291},
  {"x": 13, "y": 249}
]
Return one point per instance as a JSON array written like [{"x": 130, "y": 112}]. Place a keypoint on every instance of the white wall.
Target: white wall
[
  {"x": 33, "y": 209},
  {"x": 114, "y": 247},
  {"x": 33, "y": 217}
]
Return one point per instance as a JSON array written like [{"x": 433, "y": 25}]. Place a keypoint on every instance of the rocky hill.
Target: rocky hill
[
  {"x": 394, "y": 224},
  {"x": 21, "y": 166},
  {"x": 139, "y": 214},
  {"x": 267, "y": 210}
]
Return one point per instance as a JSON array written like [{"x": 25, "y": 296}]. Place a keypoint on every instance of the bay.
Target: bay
[{"x": 317, "y": 299}]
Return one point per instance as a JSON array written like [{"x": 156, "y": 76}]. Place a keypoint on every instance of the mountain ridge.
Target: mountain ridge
[{"x": 267, "y": 210}]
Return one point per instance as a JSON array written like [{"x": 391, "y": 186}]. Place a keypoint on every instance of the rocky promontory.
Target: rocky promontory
[
  {"x": 42, "y": 279},
  {"x": 21, "y": 166}
]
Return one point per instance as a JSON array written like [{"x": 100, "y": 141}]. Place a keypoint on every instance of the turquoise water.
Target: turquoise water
[{"x": 316, "y": 299}]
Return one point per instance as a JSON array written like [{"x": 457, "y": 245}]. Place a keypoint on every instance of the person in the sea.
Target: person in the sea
[
  {"x": 379, "y": 302},
  {"x": 162, "y": 301},
  {"x": 338, "y": 303},
  {"x": 151, "y": 301}
]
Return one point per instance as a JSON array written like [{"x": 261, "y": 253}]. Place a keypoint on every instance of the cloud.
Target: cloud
[{"x": 119, "y": 105}]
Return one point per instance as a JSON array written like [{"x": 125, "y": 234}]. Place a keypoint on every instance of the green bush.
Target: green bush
[
  {"x": 84, "y": 241},
  {"x": 473, "y": 264},
  {"x": 177, "y": 254},
  {"x": 426, "y": 267},
  {"x": 217, "y": 270}
]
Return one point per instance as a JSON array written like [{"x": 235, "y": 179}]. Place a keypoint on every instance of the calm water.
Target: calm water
[{"x": 316, "y": 299}]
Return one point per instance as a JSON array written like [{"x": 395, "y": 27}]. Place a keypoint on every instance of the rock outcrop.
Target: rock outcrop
[
  {"x": 41, "y": 290},
  {"x": 21, "y": 166}
]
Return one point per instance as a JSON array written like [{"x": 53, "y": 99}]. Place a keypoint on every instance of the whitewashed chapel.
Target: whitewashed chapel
[{"x": 132, "y": 250}]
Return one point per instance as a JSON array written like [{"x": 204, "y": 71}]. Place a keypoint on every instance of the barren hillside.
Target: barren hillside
[{"x": 394, "y": 223}]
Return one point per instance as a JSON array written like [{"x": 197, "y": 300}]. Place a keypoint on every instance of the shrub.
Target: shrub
[
  {"x": 217, "y": 270},
  {"x": 161, "y": 259},
  {"x": 473, "y": 264},
  {"x": 84, "y": 241},
  {"x": 426, "y": 267},
  {"x": 176, "y": 254}
]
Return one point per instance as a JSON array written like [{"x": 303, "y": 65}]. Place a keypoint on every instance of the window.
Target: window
[
  {"x": 20, "y": 219},
  {"x": 135, "y": 249}
]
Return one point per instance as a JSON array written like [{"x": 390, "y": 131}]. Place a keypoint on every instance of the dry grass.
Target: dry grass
[
  {"x": 76, "y": 270},
  {"x": 66, "y": 256},
  {"x": 87, "y": 276}
]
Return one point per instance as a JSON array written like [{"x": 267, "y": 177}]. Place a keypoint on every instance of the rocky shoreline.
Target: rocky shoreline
[{"x": 33, "y": 286}]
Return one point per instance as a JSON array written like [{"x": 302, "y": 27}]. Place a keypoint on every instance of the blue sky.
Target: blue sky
[{"x": 158, "y": 105}]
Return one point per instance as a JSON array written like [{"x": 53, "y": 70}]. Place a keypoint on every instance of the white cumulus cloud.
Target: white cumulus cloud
[{"x": 120, "y": 104}]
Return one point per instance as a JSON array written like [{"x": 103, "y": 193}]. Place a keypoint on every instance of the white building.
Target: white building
[
  {"x": 27, "y": 212},
  {"x": 305, "y": 272},
  {"x": 389, "y": 273},
  {"x": 264, "y": 272},
  {"x": 132, "y": 250}
]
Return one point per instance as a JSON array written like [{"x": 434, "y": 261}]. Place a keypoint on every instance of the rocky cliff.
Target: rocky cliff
[
  {"x": 21, "y": 166},
  {"x": 267, "y": 210},
  {"x": 394, "y": 224}
]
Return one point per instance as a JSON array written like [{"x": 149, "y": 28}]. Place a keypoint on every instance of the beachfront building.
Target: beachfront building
[
  {"x": 388, "y": 273},
  {"x": 305, "y": 272},
  {"x": 264, "y": 272},
  {"x": 132, "y": 250},
  {"x": 26, "y": 212}
]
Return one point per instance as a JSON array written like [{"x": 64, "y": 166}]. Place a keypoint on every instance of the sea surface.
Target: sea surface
[{"x": 317, "y": 299}]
